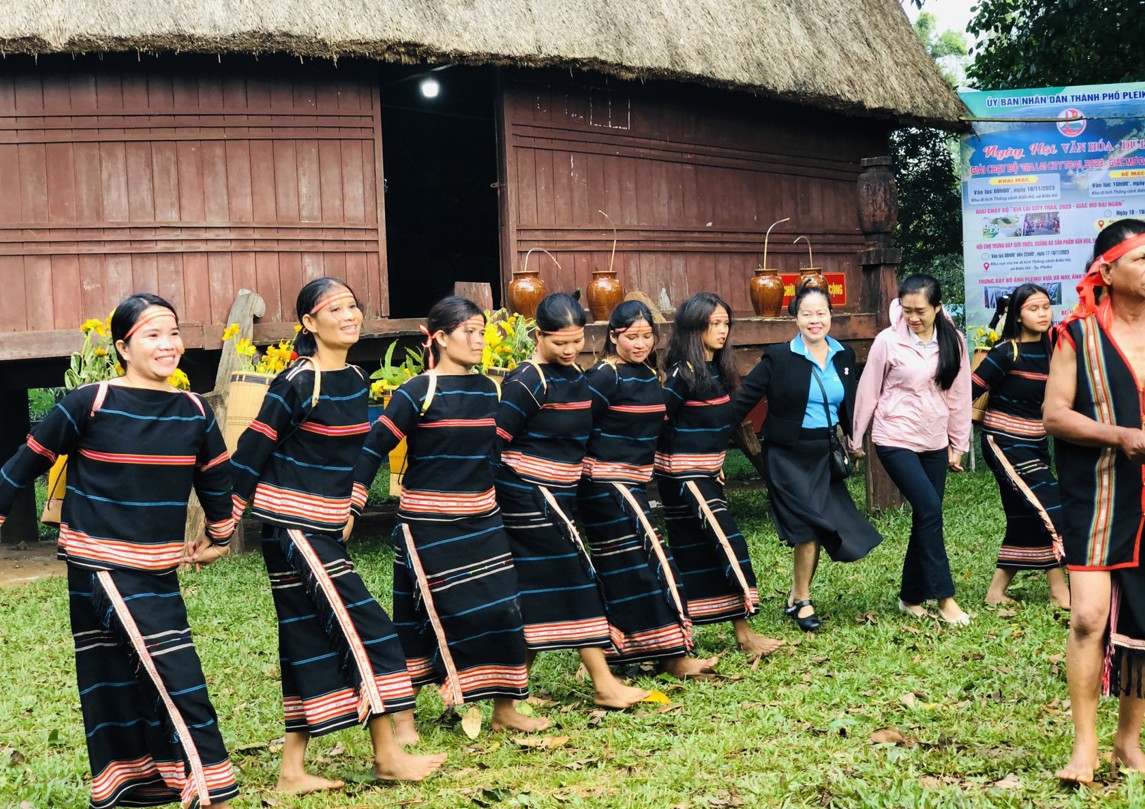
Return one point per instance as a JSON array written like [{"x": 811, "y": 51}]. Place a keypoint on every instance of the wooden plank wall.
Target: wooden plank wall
[
  {"x": 187, "y": 178},
  {"x": 691, "y": 177}
]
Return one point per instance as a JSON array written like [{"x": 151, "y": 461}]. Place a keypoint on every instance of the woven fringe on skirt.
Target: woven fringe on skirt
[
  {"x": 152, "y": 734},
  {"x": 342, "y": 663}
]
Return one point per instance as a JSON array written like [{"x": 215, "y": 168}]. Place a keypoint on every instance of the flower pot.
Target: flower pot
[
  {"x": 605, "y": 292},
  {"x": 57, "y": 487},
  {"x": 244, "y": 399},
  {"x": 766, "y": 292},
  {"x": 526, "y": 291},
  {"x": 497, "y": 375},
  {"x": 978, "y": 406}
]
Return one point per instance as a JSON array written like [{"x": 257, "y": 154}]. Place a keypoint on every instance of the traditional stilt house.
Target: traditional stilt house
[{"x": 198, "y": 148}]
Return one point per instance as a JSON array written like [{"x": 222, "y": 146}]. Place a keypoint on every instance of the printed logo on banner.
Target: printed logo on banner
[{"x": 1072, "y": 123}]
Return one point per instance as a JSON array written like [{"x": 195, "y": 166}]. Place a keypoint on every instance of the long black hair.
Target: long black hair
[
  {"x": 622, "y": 317},
  {"x": 950, "y": 343},
  {"x": 686, "y": 345},
  {"x": 1012, "y": 328},
  {"x": 560, "y": 311},
  {"x": 308, "y": 298},
  {"x": 127, "y": 313},
  {"x": 446, "y": 315}
]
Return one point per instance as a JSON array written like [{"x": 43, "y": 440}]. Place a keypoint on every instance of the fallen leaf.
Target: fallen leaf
[
  {"x": 580, "y": 764},
  {"x": 581, "y": 673},
  {"x": 868, "y": 617},
  {"x": 12, "y": 757},
  {"x": 595, "y": 718},
  {"x": 471, "y": 722},
  {"x": 910, "y": 630},
  {"x": 525, "y": 709},
  {"x": 890, "y": 736},
  {"x": 669, "y": 708},
  {"x": 539, "y": 702},
  {"x": 658, "y": 697},
  {"x": 1007, "y": 613},
  {"x": 1011, "y": 781},
  {"x": 541, "y": 742},
  {"x": 908, "y": 699},
  {"x": 337, "y": 750}
]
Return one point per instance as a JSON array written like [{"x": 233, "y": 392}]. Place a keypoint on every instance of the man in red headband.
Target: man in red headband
[{"x": 1094, "y": 406}]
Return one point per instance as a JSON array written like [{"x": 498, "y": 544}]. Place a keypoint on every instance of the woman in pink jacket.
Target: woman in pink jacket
[{"x": 914, "y": 394}]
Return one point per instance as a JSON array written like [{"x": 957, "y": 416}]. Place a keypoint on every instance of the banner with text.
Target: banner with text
[{"x": 1050, "y": 169}]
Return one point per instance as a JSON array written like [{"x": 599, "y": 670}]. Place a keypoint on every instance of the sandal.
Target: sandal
[{"x": 808, "y": 623}]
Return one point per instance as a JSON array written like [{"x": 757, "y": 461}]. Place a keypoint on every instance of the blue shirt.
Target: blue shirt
[{"x": 814, "y": 417}]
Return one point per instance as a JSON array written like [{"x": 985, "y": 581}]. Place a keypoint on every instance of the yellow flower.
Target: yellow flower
[
  {"x": 230, "y": 332},
  {"x": 118, "y": 369},
  {"x": 994, "y": 336},
  {"x": 92, "y": 324},
  {"x": 377, "y": 389},
  {"x": 179, "y": 380},
  {"x": 244, "y": 348},
  {"x": 297, "y": 328}
]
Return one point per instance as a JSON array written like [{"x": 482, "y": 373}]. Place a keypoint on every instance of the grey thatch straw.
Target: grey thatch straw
[{"x": 857, "y": 56}]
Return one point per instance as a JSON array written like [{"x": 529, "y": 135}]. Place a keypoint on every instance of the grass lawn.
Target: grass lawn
[{"x": 980, "y": 714}]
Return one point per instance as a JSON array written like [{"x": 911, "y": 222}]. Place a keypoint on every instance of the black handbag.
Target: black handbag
[{"x": 839, "y": 461}]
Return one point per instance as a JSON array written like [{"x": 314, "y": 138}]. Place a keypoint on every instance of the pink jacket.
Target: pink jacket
[{"x": 897, "y": 390}]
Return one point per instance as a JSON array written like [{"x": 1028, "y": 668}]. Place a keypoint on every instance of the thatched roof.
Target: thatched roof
[{"x": 859, "y": 56}]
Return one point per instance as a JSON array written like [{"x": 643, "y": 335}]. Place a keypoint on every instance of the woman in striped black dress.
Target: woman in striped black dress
[
  {"x": 644, "y": 598},
  {"x": 1015, "y": 447},
  {"x": 543, "y": 422},
  {"x": 455, "y": 589},
  {"x": 342, "y": 664},
  {"x": 152, "y": 733},
  {"x": 708, "y": 547}
]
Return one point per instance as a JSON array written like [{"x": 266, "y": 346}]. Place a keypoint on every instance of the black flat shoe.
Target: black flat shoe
[{"x": 808, "y": 623}]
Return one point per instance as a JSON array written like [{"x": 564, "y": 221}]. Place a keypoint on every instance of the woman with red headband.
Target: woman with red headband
[
  {"x": 543, "y": 423},
  {"x": 1094, "y": 409},
  {"x": 136, "y": 447},
  {"x": 1015, "y": 447},
  {"x": 645, "y": 599},
  {"x": 342, "y": 663},
  {"x": 455, "y": 589}
]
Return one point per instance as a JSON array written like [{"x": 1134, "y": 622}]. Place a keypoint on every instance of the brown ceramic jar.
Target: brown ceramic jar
[
  {"x": 605, "y": 292},
  {"x": 766, "y": 292},
  {"x": 526, "y": 291}
]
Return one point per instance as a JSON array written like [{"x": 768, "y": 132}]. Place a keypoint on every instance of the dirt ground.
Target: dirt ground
[{"x": 28, "y": 561}]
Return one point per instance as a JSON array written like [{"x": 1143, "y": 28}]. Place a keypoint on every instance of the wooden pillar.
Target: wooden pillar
[
  {"x": 878, "y": 213},
  {"x": 22, "y": 524}
]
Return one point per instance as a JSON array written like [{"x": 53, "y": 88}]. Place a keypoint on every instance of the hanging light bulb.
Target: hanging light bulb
[{"x": 430, "y": 88}]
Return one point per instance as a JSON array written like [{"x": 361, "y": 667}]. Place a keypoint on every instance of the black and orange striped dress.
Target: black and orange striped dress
[
  {"x": 1015, "y": 447},
  {"x": 543, "y": 423},
  {"x": 644, "y": 599},
  {"x": 341, "y": 660},
  {"x": 706, "y": 543},
  {"x": 455, "y": 589},
  {"x": 1103, "y": 490},
  {"x": 134, "y": 455}
]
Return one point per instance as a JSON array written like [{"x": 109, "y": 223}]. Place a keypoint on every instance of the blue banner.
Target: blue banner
[{"x": 1049, "y": 169}]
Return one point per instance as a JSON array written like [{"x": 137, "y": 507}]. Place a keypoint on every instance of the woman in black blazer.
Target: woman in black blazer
[{"x": 809, "y": 384}]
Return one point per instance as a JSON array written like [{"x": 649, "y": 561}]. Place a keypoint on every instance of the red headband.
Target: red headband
[
  {"x": 148, "y": 315},
  {"x": 1086, "y": 299},
  {"x": 329, "y": 299},
  {"x": 569, "y": 331}
]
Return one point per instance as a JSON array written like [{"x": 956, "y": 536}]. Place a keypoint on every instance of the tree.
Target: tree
[
  {"x": 930, "y": 197},
  {"x": 1055, "y": 43}
]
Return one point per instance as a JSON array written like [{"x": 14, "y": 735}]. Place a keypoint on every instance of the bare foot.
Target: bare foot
[
  {"x": 683, "y": 667},
  {"x": 1126, "y": 759},
  {"x": 758, "y": 645},
  {"x": 999, "y": 599},
  {"x": 405, "y": 729},
  {"x": 618, "y": 695},
  {"x": 507, "y": 718},
  {"x": 403, "y": 766},
  {"x": 1060, "y": 600},
  {"x": 303, "y": 784},
  {"x": 1079, "y": 770}
]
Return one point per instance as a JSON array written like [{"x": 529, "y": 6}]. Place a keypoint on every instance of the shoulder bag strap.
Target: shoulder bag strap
[{"x": 823, "y": 388}]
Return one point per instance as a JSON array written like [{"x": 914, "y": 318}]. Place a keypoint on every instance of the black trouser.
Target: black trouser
[{"x": 921, "y": 477}]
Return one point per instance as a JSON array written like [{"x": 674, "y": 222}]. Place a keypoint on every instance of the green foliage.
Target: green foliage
[
  {"x": 983, "y": 709},
  {"x": 42, "y": 400},
  {"x": 389, "y": 376},
  {"x": 1052, "y": 43}
]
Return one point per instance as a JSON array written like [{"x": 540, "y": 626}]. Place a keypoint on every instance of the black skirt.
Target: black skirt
[{"x": 807, "y": 505}]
